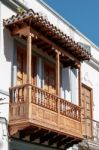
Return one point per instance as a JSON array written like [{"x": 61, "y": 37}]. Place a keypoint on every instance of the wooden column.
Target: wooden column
[
  {"x": 58, "y": 83},
  {"x": 79, "y": 85},
  {"x": 29, "y": 58},
  {"x": 29, "y": 63},
  {"x": 79, "y": 88},
  {"x": 57, "y": 73}
]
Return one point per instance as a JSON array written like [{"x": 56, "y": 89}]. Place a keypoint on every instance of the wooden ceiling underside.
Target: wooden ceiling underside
[
  {"x": 47, "y": 37},
  {"x": 47, "y": 138}
]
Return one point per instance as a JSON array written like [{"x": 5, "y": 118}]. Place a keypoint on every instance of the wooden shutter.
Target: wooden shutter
[
  {"x": 21, "y": 67},
  {"x": 52, "y": 80},
  {"x": 46, "y": 77},
  {"x": 21, "y": 72},
  {"x": 34, "y": 70},
  {"x": 49, "y": 78},
  {"x": 86, "y": 104}
]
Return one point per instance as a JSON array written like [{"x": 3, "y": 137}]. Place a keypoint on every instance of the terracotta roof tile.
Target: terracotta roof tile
[{"x": 49, "y": 30}]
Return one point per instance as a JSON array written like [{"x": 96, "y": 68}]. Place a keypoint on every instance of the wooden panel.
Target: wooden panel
[
  {"x": 18, "y": 111},
  {"x": 46, "y": 78},
  {"x": 49, "y": 119},
  {"x": 45, "y": 114},
  {"x": 86, "y": 114},
  {"x": 21, "y": 66},
  {"x": 49, "y": 78},
  {"x": 34, "y": 70}
]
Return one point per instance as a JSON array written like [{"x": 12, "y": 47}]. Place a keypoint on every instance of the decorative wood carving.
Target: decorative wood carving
[{"x": 44, "y": 111}]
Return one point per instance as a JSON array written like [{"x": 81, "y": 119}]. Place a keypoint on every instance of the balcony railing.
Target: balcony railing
[
  {"x": 92, "y": 131},
  {"x": 33, "y": 106},
  {"x": 45, "y": 99}
]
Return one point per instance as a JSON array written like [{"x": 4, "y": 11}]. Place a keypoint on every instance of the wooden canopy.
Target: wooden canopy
[{"x": 47, "y": 37}]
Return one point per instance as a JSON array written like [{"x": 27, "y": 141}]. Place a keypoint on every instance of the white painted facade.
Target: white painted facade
[
  {"x": 3, "y": 134},
  {"x": 89, "y": 70}
]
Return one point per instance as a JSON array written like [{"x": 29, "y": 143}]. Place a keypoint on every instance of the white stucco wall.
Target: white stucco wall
[
  {"x": 3, "y": 134},
  {"x": 6, "y": 56},
  {"x": 90, "y": 77},
  {"x": 6, "y": 50}
]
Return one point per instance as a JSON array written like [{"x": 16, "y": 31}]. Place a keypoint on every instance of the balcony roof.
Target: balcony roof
[{"x": 48, "y": 30}]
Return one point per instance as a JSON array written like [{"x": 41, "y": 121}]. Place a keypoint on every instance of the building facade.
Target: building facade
[{"x": 49, "y": 80}]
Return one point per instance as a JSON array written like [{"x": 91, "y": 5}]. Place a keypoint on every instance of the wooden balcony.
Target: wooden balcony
[{"x": 51, "y": 116}]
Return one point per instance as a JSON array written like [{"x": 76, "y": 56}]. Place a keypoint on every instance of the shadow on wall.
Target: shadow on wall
[
  {"x": 8, "y": 50},
  {"x": 8, "y": 45},
  {"x": 20, "y": 145}
]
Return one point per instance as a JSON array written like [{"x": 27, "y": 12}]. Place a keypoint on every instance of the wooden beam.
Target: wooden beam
[
  {"x": 47, "y": 136},
  {"x": 27, "y": 131},
  {"x": 55, "y": 139},
  {"x": 71, "y": 143},
  {"x": 46, "y": 47},
  {"x": 64, "y": 141},
  {"x": 24, "y": 31},
  {"x": 39, "y": 35},
  {"x": 37, "y": 134},
  {"x": 21, "y": 31}
]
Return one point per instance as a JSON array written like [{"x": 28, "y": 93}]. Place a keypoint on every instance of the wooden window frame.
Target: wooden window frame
[{"x": 91, "y": 99}]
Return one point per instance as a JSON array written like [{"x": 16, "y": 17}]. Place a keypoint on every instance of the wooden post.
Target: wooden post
[
  {"x": 29, "y": 88},
  {"x": 79, "y": 86},
  {"x": 57, "y": 74},
  {"x": 29, "y": 58},
  {"x": 58, "y": 83},
  {"x": 79, "y": 89}
]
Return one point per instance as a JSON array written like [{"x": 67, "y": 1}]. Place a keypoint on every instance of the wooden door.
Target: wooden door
[
  {"x": 49, "y": 78},
  {"x": 86, "y": 114}
]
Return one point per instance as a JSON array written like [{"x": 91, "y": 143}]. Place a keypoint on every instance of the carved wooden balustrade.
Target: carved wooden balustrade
[
  {"x": 44, "y": 109},
  {"x": 44, "y": 99}
]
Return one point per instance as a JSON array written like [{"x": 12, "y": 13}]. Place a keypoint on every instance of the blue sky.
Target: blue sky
[{"x": 82, "y": 14}]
